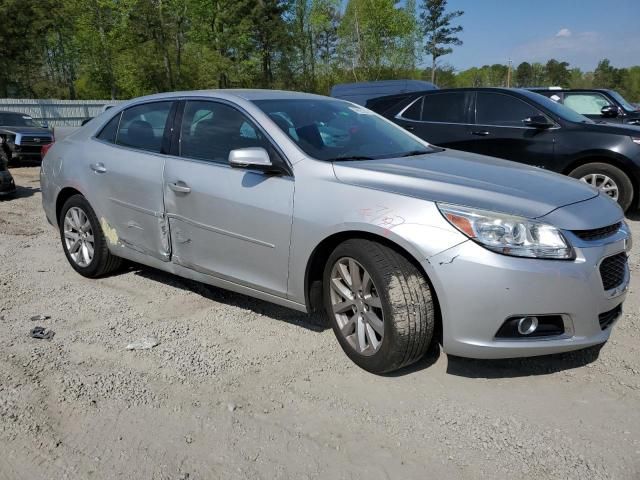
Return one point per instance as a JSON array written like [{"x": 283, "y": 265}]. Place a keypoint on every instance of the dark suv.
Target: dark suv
[
  {"x": 21, "y": 137},
  {"x": 525, "y": 127},
  {"x": 596, "y": 104}
]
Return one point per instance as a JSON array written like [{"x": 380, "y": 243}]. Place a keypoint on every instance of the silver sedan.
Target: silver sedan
[{"x": 320, "y": 204}]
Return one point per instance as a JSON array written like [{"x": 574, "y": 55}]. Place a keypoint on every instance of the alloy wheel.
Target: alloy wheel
[
  {"x": 602, "y": 182},
  {"x": 356, "y": 306},
  {"x": 78, "y": 236}
]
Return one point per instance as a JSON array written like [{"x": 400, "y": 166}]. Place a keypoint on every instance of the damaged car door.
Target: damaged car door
[
  {"x": 231, "y": 223},
  {"x": 126, "y": 177}
]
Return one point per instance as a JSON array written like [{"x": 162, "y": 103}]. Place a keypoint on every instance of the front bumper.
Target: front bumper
[{"x": 479, "y": 289}]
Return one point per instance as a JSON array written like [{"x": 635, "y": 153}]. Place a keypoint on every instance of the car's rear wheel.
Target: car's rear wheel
[
  {"x": 609, "y": 179},
  {"x": 379, "y": 305},
  {"x": 83, "y": 241}
]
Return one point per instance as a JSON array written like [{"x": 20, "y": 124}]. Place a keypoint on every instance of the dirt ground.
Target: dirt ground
[{"x": 239, "y": 388}]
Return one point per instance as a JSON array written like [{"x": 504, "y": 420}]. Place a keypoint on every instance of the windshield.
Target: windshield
[
  {"x": 622, "y": 101},
  {"x": 337, "y": 130},
  {"x": 17, "y": 120}
]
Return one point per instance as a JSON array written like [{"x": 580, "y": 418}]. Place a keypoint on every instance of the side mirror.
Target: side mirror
[
  {"x": 538, "y": 121},
  {"x": 610, "y": 111},
  {"x": 44, "y": 124},
  {"x": 252, "y": 158}
]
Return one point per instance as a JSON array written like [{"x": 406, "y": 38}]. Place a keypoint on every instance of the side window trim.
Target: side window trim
[{"x": 401, "y": 116}]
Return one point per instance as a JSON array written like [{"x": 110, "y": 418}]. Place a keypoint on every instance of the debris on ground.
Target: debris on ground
[
  {"x": 41, "y": 333},
  {"x": 40, "y": 318},
  {"x": 143, "y": 344}
]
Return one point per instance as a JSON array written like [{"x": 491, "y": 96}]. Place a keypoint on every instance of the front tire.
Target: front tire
[
  {"x": 609, "y": 179},
  {"x": 82, "y": 239},
  {"x": 379, "y": 305}
]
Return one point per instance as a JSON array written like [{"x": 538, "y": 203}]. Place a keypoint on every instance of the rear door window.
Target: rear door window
[
  {"x": 414, "y": 112},
  {"x": 143, "y": 126},
  {"x": 497, "y": 109},
  {"x": 586, "y": 103},
  {"x": 451, "y": 107},
  {"x": 110, "y": 130}
]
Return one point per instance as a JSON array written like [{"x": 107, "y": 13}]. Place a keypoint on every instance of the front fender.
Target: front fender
[{"x": 413, "y": 224}]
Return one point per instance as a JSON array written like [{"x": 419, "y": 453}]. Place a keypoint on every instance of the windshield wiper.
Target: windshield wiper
[
  {"x": 348, "y": 158},
  {"x": 413, "y": 153}
]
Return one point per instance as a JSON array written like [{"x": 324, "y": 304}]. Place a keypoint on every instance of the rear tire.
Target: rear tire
[
  {"x": 609, "y": 179},
  {"x": 390, "y": 302},
  {"x": 82, "y": 239}
]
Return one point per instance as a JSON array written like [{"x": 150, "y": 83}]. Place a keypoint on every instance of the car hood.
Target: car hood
[
  {"x": 26, "y": 130},
  {"x": 468, "y": 179},
  {"x": 614, "y": 128}
]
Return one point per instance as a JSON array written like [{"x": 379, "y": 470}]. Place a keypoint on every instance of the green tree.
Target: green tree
[
  {"x": 557, "y": 73},
  {"x": 524, "y": 75},
  {"x": 372, "y": 39},
  {"x": 438, "y": 31}
]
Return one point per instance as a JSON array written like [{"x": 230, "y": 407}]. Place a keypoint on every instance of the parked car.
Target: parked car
[
  {"x": 598, "y": 104},
  {"x": 526, "y": 127},
  {"x": 21, "y": 137},
  {"x": 393, "y": 238},
  {"x": 362, "y": 92}
]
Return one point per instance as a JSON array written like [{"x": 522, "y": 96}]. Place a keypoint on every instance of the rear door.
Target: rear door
[
  {"x": 125, "y": 182},
  {"x": 440, "y": 118},
  {"x": 499, "y": 131},
  {"x": 230, "y": 223}
]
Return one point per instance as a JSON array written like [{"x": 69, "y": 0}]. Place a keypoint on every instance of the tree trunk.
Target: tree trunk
[{"x": 433, "y": 69}]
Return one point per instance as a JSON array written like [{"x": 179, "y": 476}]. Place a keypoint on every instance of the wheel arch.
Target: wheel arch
[
  {"x": 313, "y": 287},
  {"x": 620, "y": 163},
  {"x": 64, "y": 195}
]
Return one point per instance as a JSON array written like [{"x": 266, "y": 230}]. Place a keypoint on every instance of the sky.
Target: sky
[{"x": 581, "y": 32}]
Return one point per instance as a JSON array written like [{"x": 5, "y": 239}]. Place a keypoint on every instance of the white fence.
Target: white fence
[{"x": 56, "y": 113}]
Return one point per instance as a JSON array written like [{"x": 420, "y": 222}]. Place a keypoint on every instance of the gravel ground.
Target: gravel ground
[{"x": 239, "y": 388}]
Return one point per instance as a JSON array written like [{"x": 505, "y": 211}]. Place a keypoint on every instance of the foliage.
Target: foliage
[{"x": 126, "y": 48}]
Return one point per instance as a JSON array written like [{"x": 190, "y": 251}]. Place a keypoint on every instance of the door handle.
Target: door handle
[
  {"x": 481, "y": 133},
  {"x": 98, "y": 167},
  {"x": 180, "y": 187},
  {"x": 409, "y": 127}
]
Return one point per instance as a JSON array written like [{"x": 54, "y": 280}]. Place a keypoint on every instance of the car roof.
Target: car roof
[
  {"x": 469, "y": 89},
  {"x": 246, "y": 94},
  {"x": 548, "y": 89}
]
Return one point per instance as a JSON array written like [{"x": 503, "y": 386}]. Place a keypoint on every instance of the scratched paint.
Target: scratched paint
[
  {"x": 383, "y": 217},
  {"x": 109, "y": 233}
]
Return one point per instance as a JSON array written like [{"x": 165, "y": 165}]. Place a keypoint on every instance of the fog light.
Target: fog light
[{"x": 527, "y": 325}]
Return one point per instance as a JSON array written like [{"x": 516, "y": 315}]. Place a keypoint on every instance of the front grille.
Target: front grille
[
  {"x": 598, "y": 233},
  {"x": 607, "y": 318},
  {"x": 613, "y": 270},
  {"x": 35, "y": 140}
]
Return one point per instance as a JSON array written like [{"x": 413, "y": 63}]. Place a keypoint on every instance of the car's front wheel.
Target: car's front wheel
[
  {"x": 83, "y": 241},
  {"x": 609, "y": 179},
  {"x": 379, "y": 304}
]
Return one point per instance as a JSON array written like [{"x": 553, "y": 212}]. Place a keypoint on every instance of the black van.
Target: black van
[{"x": 526, "y": 127}]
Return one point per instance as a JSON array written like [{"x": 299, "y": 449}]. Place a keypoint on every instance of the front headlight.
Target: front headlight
[{"x": 508, "y": 234}]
